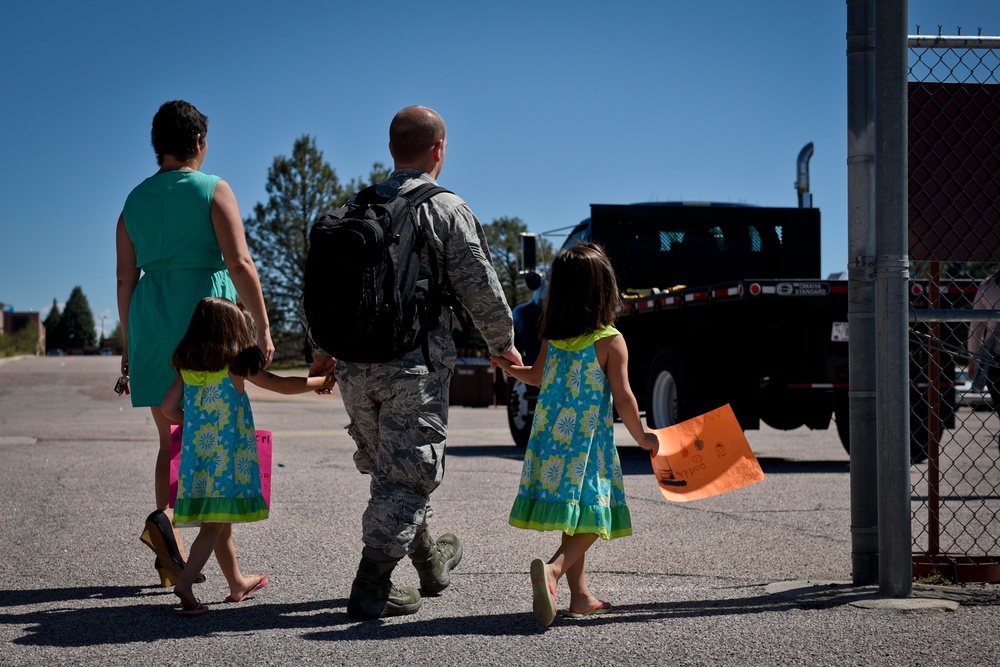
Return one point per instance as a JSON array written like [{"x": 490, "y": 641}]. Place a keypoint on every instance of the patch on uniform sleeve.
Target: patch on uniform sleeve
[{"x": 477, "y": 251}]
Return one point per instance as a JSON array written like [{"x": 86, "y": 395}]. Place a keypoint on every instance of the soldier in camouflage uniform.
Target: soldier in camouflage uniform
[{"x": 399, "y": 409}]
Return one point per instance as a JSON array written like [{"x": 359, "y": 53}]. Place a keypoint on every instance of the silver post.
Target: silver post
[
  {"x": 861, "y": 287},
  {"x": 891, "y": 275}
]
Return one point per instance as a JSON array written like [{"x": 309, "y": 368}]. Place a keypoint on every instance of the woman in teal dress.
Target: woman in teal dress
[
  {"x": 571, "y": 480},
  {"x": 179, "y": 238}
]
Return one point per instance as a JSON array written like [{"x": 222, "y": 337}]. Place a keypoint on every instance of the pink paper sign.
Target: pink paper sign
[{"x": 263, "y": 453}]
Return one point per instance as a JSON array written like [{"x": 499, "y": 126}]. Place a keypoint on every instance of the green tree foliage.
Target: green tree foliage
[
  {"x": 24, "y": 341},
  {"x": 119, "y": 338},
  {"x": 502, "y": 235},
  {"x": 53, "y": 331},
  {"x": 76, "y": 327},
  {"x": 921, "y": 270},
  {"x": 300, "y": 189}
]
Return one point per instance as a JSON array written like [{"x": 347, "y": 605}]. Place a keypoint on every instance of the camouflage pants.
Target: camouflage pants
[{"x": 399, "y": 422}]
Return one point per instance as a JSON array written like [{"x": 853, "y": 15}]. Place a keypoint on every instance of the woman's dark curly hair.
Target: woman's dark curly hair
[{"x": 178, "y": 130}]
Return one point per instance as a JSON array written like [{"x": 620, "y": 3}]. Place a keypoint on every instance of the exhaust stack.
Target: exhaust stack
[{"x": 802, "y": 176}]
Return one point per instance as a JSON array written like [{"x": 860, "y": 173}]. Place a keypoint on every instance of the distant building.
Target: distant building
[{"x": 12, "y": 322}]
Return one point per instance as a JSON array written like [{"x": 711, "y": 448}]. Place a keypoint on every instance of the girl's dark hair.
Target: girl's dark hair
[
  {"x": 219, "y": 335},
  {"x": 176, "y": 129},
  {"x": 582, "y": 294}
]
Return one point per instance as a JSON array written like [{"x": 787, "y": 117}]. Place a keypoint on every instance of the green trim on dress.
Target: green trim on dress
[
  {"x": 586, "y": 340},
  {"x": 203, "y": 378},
  {"x": 220, "y": 510},
  {"x": 539, "y": 515}
]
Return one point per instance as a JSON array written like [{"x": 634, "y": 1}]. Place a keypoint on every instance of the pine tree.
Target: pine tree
[
  {"x": 300, "y": 188},
  {"x": 53, "y": 340},
  {"x": 76, "y": 327}
]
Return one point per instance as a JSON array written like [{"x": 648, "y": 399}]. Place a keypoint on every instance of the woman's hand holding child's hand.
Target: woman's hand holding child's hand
[{"x": 329, "y": 381}]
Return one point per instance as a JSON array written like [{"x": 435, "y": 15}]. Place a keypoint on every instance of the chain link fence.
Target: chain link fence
[{"x": 954, "y": 244}]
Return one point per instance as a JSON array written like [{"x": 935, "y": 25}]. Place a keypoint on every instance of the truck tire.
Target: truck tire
[
  {"x": 521, "y": 399},
  {"x": 918, "y": 432},
  {"x": 664, "y": 390},
  {"x": 780, "y": 409}
]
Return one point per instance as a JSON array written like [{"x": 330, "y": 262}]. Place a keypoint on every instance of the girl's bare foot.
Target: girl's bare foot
[
  {"x": 583, "y": 603},
  {"x": 250, "y": 584},
  {"x": 190, "y": 606}
]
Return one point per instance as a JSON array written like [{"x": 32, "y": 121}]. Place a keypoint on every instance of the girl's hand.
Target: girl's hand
[
  {"x": 502, "y": 362},
  {"x": 328, "y": 381},
  {"x": 323, "y": 366},
  {"x": 650, "y": 442}
]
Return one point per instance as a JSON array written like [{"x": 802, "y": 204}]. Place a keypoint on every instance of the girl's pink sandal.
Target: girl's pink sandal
[{"x": 543, "y": 594}]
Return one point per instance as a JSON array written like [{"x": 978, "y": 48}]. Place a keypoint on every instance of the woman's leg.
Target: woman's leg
[
  {"x": 201, "y": 549},
  {"x": 161, "y": 475},
  {"x": 239, "y": 585}
]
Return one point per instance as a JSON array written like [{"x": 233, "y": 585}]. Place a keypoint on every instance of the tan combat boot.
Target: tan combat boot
[
  {"x": 373, "y": 594},
  {"x": 434, "y": 561}
]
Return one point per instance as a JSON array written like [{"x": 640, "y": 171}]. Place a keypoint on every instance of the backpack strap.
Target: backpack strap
[
  {"x": 416, "y": 197},
  {"x": 422, "y": 193}
]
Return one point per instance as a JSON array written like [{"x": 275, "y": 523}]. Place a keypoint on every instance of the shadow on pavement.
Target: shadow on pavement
[
  {"x": 524, "y": 623},
  {"x": 319, "y": 620}
]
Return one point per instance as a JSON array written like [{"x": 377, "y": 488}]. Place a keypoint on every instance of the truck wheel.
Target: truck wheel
[
  {"x": 521, "y": 399},
  {"x": 663, "y": 391},
  {"x": 781, "y": 409},
  {"x": 918, "y": 433}
]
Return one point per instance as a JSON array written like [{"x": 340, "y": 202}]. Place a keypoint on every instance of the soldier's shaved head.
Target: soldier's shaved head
[{"x": 413, "y": 133}]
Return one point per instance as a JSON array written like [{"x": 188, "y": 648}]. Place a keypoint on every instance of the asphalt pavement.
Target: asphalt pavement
[{"x": 757, "y": 576}]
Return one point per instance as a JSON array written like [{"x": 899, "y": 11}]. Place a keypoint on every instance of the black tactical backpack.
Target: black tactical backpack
[{"x": 363, "y": 297}]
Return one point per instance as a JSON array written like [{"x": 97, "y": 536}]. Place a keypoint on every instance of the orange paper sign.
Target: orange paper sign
[{"x": 704, "y": 456}]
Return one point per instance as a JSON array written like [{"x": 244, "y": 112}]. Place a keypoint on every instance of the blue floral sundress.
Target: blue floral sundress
[
  {"x": 219, "y": 476},
  {"x": 572, "y": 478}
]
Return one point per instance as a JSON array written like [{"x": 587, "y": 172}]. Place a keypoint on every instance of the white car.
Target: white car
[{"x": 977, "y": 399}]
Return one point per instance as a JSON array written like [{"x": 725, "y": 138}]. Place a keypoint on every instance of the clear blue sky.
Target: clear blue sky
[{"x": 550, "y": 106}]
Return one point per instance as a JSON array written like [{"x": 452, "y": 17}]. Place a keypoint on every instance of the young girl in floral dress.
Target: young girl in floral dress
[
  {"x": 572, "y": 479},
  {"x": 219, "y": 478}
]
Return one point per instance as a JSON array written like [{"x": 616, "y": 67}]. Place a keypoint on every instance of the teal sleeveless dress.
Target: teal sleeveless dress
[
  {"x": 571, "y": 479},
  {"x": 169, "y": 219},
  {"x": 219, "y": 474}
]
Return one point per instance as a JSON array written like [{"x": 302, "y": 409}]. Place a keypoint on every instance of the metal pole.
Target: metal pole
[
  {"x": 891, "y": 276},
  {"x": 861, "y": 288}
]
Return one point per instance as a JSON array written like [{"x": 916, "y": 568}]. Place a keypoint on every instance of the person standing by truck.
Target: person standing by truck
[
  {"x": 984, "y": 335},
  {"x": 399, "y": 408},
  {"x": 571, "y": 479}
]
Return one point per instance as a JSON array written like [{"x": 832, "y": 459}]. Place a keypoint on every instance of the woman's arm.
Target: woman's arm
[
  {"x": 128, "y": 278},
  {"x": 173, "y": 403},
  {"x": 527, "y": 374},
  {"x": 232, "y": 240},
  {"x": 292, "y": 384},
  {"x": 616, "y": 368}
]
